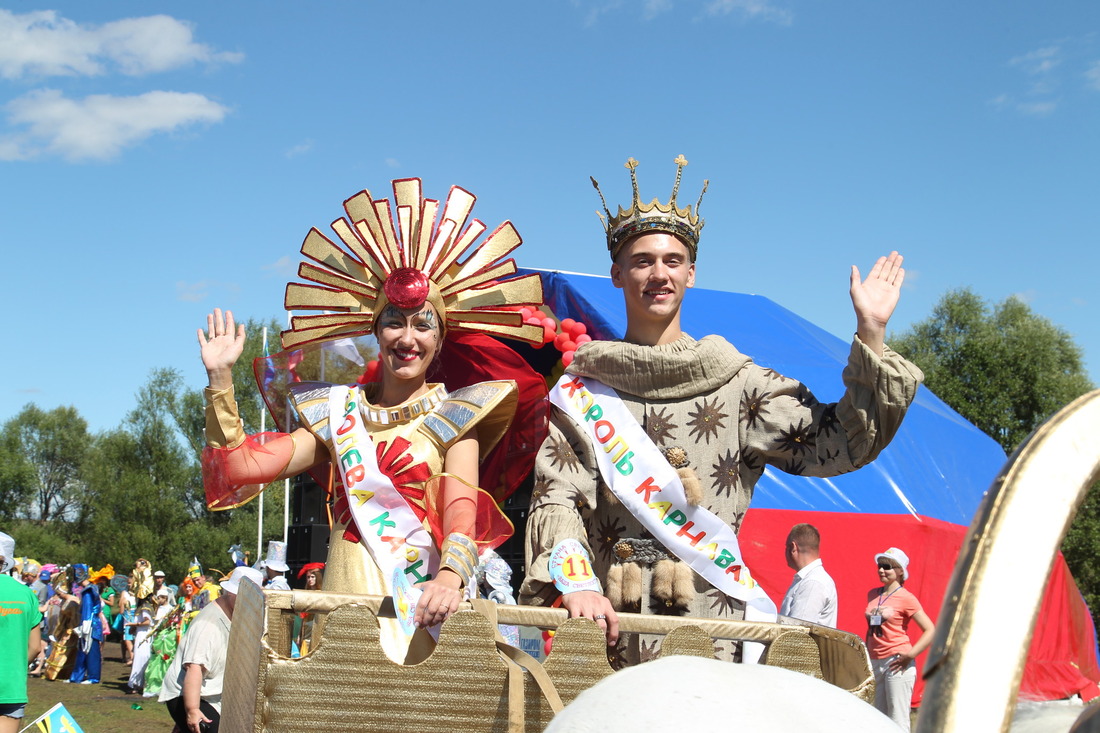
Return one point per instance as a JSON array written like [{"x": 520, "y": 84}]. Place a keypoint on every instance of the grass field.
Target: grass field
[{"x": 102, "y": 708}]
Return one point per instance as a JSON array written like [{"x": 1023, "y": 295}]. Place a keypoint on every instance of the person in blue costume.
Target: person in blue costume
[{"x": 89, "y": 661}]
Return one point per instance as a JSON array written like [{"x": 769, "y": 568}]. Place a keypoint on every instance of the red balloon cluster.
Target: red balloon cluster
[{"x": 572, "y": 333}]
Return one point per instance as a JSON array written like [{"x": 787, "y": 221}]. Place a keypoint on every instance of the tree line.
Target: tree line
[
  {"x": 1007, "y": 369},
  {"x": 71, "y": 495}
]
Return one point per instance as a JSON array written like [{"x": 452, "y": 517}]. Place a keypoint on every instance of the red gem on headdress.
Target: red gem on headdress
[{"x": 406, "y": 287}]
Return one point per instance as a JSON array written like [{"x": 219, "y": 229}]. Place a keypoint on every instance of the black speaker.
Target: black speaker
[
  {"x": 306, "y": 543},
  {"x": 516, "y": 508},
  {"x": 307, "y": 501}
]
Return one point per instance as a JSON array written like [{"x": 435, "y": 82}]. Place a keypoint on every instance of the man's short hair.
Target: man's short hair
[
  {"x": 626, "y": 245},
  {"x": 806, "y": 537}
]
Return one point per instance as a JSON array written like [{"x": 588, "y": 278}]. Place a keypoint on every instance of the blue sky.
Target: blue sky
[{"x": 159, "y": 159}]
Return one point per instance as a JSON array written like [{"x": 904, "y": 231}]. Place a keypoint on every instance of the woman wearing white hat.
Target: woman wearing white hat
[{"x": 890, "y": 608}]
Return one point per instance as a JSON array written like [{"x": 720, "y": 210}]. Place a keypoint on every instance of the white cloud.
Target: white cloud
[
  {"x": 751, "y": 10},
  {"x": 99, "y": 126},
  {"x": 41, "y": 43},
  {"x": 1045, "y": 72},
  {"x": 652, "y": 8},
  {"x": 1026, "y": 296},
  {"x": 764, "y": 10},
  {"x": 1092, "y": 76},
  {"x": 1040, "y": 61},
  {"x": 285, "y": 266},
  {"x": 197, "y": 291},
  {"x": 192, "y": 292},
  {"x": 1037, "y": 109},
  {"x": 393, "y": 163},
  {"x": 595, "y": 9},
  {"x": 301, "y": 148},
  {"x": 1039, "y": 65}
]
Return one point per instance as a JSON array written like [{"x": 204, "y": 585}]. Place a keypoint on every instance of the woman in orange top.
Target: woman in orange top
[{"x": 889, "y": 611}]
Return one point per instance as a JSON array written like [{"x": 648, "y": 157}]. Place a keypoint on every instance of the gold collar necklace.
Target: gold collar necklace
[{"x": 407, "y": 411}]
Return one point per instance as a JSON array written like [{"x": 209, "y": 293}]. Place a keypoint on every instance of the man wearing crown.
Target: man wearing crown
[{"x": 657, "y": 441}]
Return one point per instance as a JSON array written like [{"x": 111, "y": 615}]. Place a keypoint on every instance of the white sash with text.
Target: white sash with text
[
  {"x": 639, "y": 475},
  {"x": 387, "y": 524}
]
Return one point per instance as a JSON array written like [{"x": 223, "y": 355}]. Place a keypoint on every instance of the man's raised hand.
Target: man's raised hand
[{"x": 875, "y": 298}]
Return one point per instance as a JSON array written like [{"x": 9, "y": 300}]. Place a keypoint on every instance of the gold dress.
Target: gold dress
[{"x": 411, "y": 441}]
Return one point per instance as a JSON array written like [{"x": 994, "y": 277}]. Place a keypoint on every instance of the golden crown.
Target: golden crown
[
  {"x": 654, "y": 216},
  {"x": 406, "y": 258}
]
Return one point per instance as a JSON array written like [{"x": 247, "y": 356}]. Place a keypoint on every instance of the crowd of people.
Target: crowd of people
[
  {"x": 65, "y": 615},
  {"x": 418, "y": 467}
]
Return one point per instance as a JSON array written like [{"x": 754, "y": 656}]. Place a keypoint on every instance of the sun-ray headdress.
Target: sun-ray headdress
[
  {"x": 403, "y": 256},
  {"x": 654, "y": 216}
]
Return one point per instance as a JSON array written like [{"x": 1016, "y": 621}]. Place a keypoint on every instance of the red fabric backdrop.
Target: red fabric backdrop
[{"x": 1062, "y": 658}]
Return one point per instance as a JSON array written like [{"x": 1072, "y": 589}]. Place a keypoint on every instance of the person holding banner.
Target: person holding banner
[
  {"x": 405, "y": 451},
  {"x": 657, "y": 441}
]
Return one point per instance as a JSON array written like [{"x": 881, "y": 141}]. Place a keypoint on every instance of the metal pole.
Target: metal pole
[
  {"x": 260, "y": 518},
  {"x": 286, "y": 482}
]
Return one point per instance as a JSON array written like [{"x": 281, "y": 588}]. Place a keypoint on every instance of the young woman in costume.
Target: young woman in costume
[
  {"x": 314, "y": 579},
  {"x": 890, "y": 608},
  {"x": 405, "y": 452},
  {"x": 140, "y": 627},
  {"x": 127, "y": 609}
]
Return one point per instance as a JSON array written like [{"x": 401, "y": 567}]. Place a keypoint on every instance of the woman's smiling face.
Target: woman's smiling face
[{"x": 408, "y": 340}]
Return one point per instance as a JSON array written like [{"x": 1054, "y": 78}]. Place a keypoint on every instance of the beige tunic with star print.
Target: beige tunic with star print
[{"x": 733, "y": 418}]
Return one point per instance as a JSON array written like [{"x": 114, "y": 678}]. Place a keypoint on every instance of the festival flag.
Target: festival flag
[
  {"x": 346, "y": 348},
  {"x": 294, "y": 358},
  {"x": 56, "y": 720}
]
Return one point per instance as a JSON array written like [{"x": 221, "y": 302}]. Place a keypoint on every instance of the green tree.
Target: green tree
[
  {"x": 49, "y": 542},
  {"x": 217, "y": 531},
  {"x": 17, "y": 478},
  {"x": 1007, "y": 369},
  {"x": 315, "y": 363},
  {"x": 145, "y": 496},
  {"x": 136, "y": 490},
  {"x": 52, "y": 444},
  {"x": 1003, "y": 368}
]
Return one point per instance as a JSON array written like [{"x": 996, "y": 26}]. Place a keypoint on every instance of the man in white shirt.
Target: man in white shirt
[
  {"x": 192, "y": 688},
  {"x": 812, "y": 595}
]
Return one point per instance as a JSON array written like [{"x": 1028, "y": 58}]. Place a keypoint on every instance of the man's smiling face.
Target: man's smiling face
[{"x": 653, "y": 270}]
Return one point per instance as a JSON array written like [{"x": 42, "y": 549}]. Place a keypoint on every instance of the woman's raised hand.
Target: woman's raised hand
[{"x": 220, "y": 347}]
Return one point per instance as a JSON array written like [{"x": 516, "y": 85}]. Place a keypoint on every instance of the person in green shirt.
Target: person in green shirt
[{"x": 20, "y": 639}]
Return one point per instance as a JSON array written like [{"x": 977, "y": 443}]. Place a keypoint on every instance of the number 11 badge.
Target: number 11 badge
[{"x": 571, "y": 568}]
